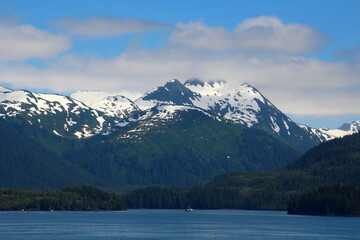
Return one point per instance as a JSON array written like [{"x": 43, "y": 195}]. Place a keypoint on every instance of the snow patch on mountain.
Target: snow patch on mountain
[
  {"x": 90, "y": 97},
  {"x": 237, "y": 104},
  {"x": 87, "y": 113},
  {"x": 354, "y": 126},
  {"x": 274, "y": 126},
  {"x": 146, "y": 104},
  {"x": 154, "y": 118},
  {"x": 56, "y": 133},
  {"x": 344, "y": 130},
  {"x": 112, "y": 105},
  {"x": 4, "y": 89},
  {"x": 38, "y": 102},
  {"x": 169, "y": 111},
  {"x": 326, "y": 134},
  {"x": 41, "y": 105},
  {"x": 116, "y": 106},
  {"x": 286, "y": 126}
]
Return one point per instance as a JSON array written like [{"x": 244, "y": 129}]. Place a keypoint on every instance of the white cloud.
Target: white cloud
[
  {"x": 256, "y": 34},
  {"x": 297, "y": 85},
  {"x": 110, "y": 26},
  {"x": 21, "y": 42}
]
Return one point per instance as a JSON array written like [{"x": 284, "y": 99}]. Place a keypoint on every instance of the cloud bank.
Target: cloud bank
[
  {"x": 262, "y": 33},
  {"x": 21, "y": 42},
  {"x": 263, "y": 52}
]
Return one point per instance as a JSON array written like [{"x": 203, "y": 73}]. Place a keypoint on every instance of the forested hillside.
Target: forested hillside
[
  {"x": 29, "y": 163},
  {"x": 184, "y": 152},
  {"x": 188, "y": 150},
  {"x": 333, "y": 162}
]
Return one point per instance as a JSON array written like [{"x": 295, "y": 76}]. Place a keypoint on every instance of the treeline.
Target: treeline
[
  {"x": 85, "y": 198},
  {"x": 335, "y": 200},
  {"x": 205, "y": 198},
  {"x": 260, "y": 191},
  {"x": 256, "y": 191},
  {"x": 266, "y": 191}
]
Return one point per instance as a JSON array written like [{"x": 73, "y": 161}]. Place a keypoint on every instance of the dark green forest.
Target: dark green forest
[
  {"x": 27, "y": 160},
  {"x": 83, "y": 198},
  {"x": 329, "y": 200}
]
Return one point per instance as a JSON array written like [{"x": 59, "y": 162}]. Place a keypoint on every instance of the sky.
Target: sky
[{"x": 304, "y": 56}]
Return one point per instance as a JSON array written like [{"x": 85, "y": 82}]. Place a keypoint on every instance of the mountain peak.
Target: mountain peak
[
  {"x": 173, "y": 92},
  {"x": 113, "y": 105},
  {"x": 173, "y": 83},
  {"x": 350, "y": 126}
]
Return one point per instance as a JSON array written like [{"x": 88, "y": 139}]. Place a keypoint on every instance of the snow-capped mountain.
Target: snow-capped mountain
[
  {"x": 112, "y": 105},
  {"x": 173, "y": 92},
  {"x": 343, "y": 130},
  {"x": 243, "y": 104},
  {"x": 59, "y": 114},
  {"x": 326, "y": 134},
  {"x": 86, "y": 113},
  {"x": 237, "y": 104},
  {"x": 353, "y": 127}
]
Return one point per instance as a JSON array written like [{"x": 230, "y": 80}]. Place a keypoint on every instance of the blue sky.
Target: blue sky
[{"x": 304, "y": 56}]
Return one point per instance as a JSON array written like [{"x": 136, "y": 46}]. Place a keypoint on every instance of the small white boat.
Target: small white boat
[{"x": 189, "y": 209}]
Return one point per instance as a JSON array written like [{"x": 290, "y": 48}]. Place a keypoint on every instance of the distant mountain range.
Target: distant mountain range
[
  {"x": 61, "y": 115},
  {"x": 241, "y": 104},
  {"x": 87, "y": 113},
  {"x": 176, "y": 134}
]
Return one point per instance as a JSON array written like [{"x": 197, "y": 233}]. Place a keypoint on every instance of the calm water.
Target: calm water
[{"x": 174, "y": 224}]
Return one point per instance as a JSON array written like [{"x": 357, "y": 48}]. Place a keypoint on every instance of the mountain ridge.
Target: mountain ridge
[
  {"x": 243, "y": 104},
  {"x": 62, "y": 115}
]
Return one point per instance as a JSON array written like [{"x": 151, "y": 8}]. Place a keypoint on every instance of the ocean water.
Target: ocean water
[{"x": 173, "y": 225}]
